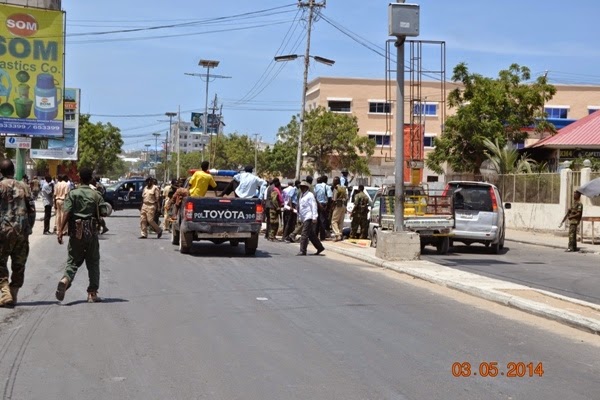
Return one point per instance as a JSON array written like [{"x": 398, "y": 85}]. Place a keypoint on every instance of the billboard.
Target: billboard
[
  {"x": 65, "y": 148},
  {"x": 31, "y": 71},
  {"x": 198, "y": 123}
]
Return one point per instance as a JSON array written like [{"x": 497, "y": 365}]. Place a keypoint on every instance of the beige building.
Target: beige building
[{"x": 374, "y": 104}]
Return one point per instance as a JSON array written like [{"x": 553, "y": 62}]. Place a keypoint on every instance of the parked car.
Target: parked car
[
  {"x": 125, "y": 194},
  {"x": 369, "y": 191},
  {"x": 479, "y": 214}
]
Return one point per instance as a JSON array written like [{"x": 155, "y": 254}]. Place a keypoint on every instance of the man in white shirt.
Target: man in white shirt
[
  {"x": 249, "y": 184},
  {"x": 308, "y": 214}
]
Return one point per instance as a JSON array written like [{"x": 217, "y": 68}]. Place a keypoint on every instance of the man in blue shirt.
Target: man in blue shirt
[
  {"x": 249, "y": 184},
  {"x": 323, "y": 195}
]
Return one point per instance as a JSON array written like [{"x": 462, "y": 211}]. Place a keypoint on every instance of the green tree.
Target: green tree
[
  {"x": 99, "y": 145},
  {"x": 486, "y": 108},
  {"x": 280, "y": 160},
  {"x": 331, "y": 141}
]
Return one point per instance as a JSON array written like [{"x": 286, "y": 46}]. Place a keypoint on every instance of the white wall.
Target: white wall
[{"x": 534, "y": 216}]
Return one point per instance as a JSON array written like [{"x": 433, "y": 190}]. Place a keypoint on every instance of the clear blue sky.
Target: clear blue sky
[{"x": 141, "y": 74}]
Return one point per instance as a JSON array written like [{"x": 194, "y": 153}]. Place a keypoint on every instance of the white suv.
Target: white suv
[{"x": 370, "y": 191}]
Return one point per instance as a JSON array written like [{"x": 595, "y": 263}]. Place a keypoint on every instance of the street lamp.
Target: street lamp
[
  {"x": 147, "y": 156},
  {"x": 156, "y": 136},
  {"x": 208, "y": 64},
  {"x": 307, "y": 57},
  {"x": 168, "y": 170}
]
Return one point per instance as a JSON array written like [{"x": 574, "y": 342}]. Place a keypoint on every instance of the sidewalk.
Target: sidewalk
[
  {"x": 556, "y": 241},
  {"x": 579, "y": 314}
]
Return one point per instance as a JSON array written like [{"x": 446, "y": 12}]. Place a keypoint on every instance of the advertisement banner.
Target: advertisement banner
[
  {"x": 198, "y": 123},
  {"x": 66, "y": 148},
  {"x": 31, "y": 71}
]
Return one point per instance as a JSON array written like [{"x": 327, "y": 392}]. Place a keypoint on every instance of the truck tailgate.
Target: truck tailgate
[{"x": 220, "y": 210}]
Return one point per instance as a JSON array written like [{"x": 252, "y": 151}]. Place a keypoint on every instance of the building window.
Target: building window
[
  {"x": 339, "y": 106},
  {"x": 381, "y": 140},
  {"x": 593, "y": 109},
  {"x": 556, "y": 112},
  {"x": 380, "y": 108},
  {"x": 429, "y": 140},
  {"x": 427, "y": 109}
]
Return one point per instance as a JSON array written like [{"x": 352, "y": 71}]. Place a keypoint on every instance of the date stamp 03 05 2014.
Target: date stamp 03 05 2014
[{"x": 492, "y": 369}]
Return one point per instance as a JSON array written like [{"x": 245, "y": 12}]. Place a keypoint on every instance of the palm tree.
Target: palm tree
[{"x": 506, "y": 160}]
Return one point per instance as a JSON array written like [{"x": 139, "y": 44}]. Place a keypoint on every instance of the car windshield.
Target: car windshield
[
  {"x": 114, "y": 186},
  {"x": 472, "y": 197},
  {"x": 371, "y": 193}
]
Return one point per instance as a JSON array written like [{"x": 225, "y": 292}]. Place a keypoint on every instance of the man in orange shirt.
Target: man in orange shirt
[{"x": 201, "y": 180}]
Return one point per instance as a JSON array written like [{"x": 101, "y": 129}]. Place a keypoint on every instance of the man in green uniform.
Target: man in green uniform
[
  {"x": 17, "y": 216},
  {"x": 360, "y": 214},
  {"x": 83, "y": 208},
  {"x": 276, "y": 203},
  {"x": 574, "y": 215},
  {"x": 340, "y": 198}
]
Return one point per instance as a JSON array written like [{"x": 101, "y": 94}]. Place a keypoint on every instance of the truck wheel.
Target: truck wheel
[
  {"x": 234, "y": 243},
  {"x": 185, "y": 242},
  {"x": 251, "y": 244},
  {"x": 174, "y": 236},
  {"x": 443, "y": 245}
]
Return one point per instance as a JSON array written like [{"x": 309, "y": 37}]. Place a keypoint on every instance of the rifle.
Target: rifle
[{"x": 564, "y": 219}]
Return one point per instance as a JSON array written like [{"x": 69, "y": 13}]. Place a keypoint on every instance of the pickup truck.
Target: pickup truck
[
  {"x": 432, "y": 216},
  {"x": 125, "y": 194},
  {"x": 218, "y": 219}
]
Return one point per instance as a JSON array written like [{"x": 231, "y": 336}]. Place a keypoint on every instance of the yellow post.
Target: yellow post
[
  {"x": 415, "y": 176},
  {"x": 53, "y": 168}
]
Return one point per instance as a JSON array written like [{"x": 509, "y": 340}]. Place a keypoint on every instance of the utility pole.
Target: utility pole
[
  {"x": 311, "y": 5},
  {"x": 214, "y": 115},
  {"x": 156, "y": 136},
  {"x": 168, "y": 169},
  {"x": 256, "y": 152},
  {"x": 178, "y": 134}
]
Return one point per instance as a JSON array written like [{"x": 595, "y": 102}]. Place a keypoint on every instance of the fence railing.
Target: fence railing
[{"x": 530, "y": 188}]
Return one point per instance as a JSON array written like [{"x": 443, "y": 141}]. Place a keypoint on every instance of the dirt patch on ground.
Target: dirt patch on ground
[{"x": 551, "y": 301}]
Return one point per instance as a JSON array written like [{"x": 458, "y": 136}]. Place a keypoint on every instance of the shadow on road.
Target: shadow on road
[
  {"x": 222, "y": 251},
  {"x": 105, "y": 300}
]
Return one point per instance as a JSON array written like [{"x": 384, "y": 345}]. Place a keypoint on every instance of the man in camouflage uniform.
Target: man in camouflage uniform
[
  {"x": 83, "y": 208},
  {"x": 574, "y": 215},
  {"x": 360, "y": 214},
  {"x": 276, "y": 203},
  {"x": 340, "y": 198},
  {"x": 17, "y": 216}
]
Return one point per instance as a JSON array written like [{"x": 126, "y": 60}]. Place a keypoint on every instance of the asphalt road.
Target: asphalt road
[
  {"x": 219, "y": 325},
  {"x": 575, "y": 275}
]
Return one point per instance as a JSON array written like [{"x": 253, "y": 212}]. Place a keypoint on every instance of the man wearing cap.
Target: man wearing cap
[
  {"x": 308, "y": 214},
  {"x": 249, "y": 184}
]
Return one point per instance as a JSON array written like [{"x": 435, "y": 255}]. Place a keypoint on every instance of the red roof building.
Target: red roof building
[{"x": 581, "y": 134}]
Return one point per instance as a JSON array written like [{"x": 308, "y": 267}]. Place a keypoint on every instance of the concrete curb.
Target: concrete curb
[
  {"x": 552, "y": 246},
  {"x": 519, "y": 303}
]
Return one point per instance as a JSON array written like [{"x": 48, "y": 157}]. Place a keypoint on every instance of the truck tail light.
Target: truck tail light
[
  {"x": 494, "y": 200},
  {"x": 189, "y": 211},
  {"x": 259, "y": 213}
]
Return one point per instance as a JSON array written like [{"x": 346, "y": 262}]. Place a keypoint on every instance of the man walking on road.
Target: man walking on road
[
  {"x": 574, "y": 215},
  {"x": 308, "y": 214},
  {"x": 61, "y": 190},
  {"x": 17, "y": 216},
  {"x": 276, "y": 203},
  {"x": 150, "y": 199},
  {"x": 47, "y": 199},
  {"x": 83, "y": 208}
]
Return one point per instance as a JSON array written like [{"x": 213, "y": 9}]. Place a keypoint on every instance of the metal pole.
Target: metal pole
[
  {"x": 304, "y": 89},
  {"x": 256, "y": 152},
  {"x": 206, "y": 111},
  {"x": 178, "y": 134},
  {"x": 399, "y": 181}
]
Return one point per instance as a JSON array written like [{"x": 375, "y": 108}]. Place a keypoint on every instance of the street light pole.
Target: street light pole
[
  {"x": 156, "y": 136},
  {"x": 168, "y": 169},
  {"x": 148, "y": 156},
  {"x": 256, "y": 152}
]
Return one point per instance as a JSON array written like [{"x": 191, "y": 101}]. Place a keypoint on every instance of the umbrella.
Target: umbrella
[{"x": 590, "y": 189}]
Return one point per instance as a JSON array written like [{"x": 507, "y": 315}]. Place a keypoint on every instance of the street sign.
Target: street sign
[
  {"x": 13, "y": 142},
  {"x": 416, "y": 164}
]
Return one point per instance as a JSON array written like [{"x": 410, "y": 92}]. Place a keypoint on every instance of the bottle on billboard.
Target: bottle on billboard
[{"x": 47, "y": 97}]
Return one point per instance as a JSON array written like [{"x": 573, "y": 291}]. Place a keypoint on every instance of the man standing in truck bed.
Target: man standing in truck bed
[{"x": 201, "y": 180}]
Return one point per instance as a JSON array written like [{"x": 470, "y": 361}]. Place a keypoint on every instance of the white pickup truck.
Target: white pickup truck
[{"x": 432, "y": 216}]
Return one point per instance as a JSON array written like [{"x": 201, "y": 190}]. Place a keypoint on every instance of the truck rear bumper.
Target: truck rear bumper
[{"x": 221, "y": 231}]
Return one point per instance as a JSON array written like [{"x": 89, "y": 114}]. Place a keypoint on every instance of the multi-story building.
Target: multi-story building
[
  {"x": 188, "y": 141},
  {"x": 373, "y": 102}
]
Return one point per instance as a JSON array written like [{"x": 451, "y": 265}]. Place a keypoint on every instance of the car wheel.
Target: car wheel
[
  {"x": 495, "y": 248},
  {"x": 443, "y": 245},
  {"x": 502, "y": 239},
  {"x": 234, "y": 243}
]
